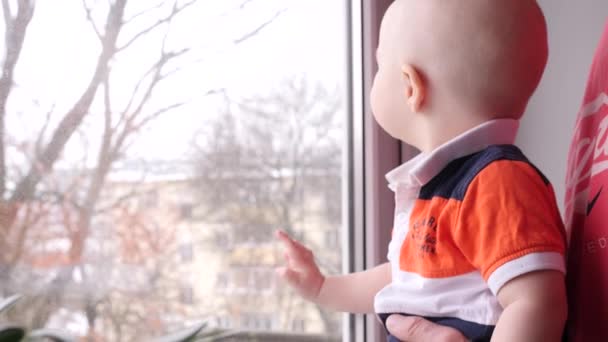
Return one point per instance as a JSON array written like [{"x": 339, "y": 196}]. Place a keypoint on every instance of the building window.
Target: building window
[
  {"x": 186, "y": 252},
  {"x": 265, "y": 323},
  {"x": 186, "y": 295},
  {"x": 186, "y": 211},
  {"x": 332, "y": 239},
  {"x": 256, "y": 321},
  {"x": 222, "y": 240},
  {"x": 298, "y": 325},
  {"x": 241, "y": 279},
  {"x": 150, "y": 199},
  {"x": 263, "y": 279},
  {"x": 224, "y": 322},
  {"x": 221, "y": 282}
]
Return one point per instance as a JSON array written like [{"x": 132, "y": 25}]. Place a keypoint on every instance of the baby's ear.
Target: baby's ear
[{"x": 415, "y": 89}]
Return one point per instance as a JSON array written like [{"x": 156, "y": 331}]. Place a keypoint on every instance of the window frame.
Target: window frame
[{"x": 371, "y": 154}]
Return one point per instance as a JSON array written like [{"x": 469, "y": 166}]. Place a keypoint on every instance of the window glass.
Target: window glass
[{"x": 149, "y": 149}]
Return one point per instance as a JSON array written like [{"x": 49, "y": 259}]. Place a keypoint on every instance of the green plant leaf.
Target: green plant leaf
[
  {"x": 184, "y": 335},
  {"x": 11, "y": 333},
  {"x": 7, "y": 303},
  {"x": 51, "y": 334}
]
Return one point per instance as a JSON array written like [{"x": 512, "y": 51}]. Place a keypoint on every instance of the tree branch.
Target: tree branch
[
  {"x": 143, "y": 12},
  {"x": 104, "y": 161},
  {"x": 107, "y": 138},
  {"x": 155, "y": 70},
  {"x": 156, "y": 114},
  {"x": 176, "y": 10},
  {"x": 14, "y": 35},
  {"x": 6, "y": 10},
  {"x": 120, "y": 200},
  {"x": 73, "y": 118},
  {"x": 245, "y": 3},
  {"x": 88, "y": 11},
  {"x": 138, "y": 85},
  {"x": 26, "y": 224},
  {"x": 40, "y": 137},
  {"x": 130, "y": 121},
  {"x": 258, "y": 29}
]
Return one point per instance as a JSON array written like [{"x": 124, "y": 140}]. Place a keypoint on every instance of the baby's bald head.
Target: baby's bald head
[{"x": 487, "y": 56}]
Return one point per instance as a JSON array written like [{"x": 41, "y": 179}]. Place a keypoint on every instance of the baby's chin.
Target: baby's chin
[{"x": 404, "y": 138}]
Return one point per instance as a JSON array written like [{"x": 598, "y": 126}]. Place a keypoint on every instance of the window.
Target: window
[
  {"x": 186, "y": 211},
  {"x": 223, "y": 322},
  {"x": 262, "y": 279},
  {"x": 256, "y": 321},
  {"x": 222, "y": 281},
  {"x": 222, "y": 240},
  {"x": 253, "y": 280},
  {"x": 150, "y": 150},
  {"x": 298, "y": 325},
  {"x": 186, "y": 252},
  {"x": 186, "y": 295},
  {"x": 332, "y": 239},
  {"x": 241, "y": 280},
  {"x": 150, "y": 199}
]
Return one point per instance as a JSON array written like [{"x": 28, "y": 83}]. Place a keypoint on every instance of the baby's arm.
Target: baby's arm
[
  {"x": 535, "y": 308},
  {"x": 352, "y": 293}
]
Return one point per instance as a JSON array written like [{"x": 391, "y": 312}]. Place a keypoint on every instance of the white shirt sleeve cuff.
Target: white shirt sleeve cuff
[{"x": 526, "y": 264}]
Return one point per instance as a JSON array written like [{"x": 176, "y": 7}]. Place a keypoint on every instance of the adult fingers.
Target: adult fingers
[{"x": 418, "y": 329}]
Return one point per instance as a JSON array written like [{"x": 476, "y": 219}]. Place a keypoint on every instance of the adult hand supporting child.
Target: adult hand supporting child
[{"x": 418, "y": 329}]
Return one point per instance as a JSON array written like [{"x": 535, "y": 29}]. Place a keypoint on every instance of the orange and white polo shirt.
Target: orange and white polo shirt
[{"x": 469, "y": 216}]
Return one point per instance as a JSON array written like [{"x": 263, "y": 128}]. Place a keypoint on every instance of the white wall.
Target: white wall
[{"x": 575, "y": 27}]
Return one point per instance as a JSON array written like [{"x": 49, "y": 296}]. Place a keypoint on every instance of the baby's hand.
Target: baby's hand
[{"x": 301, "y": 271}]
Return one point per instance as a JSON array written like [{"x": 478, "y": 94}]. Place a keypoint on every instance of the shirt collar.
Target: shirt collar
[{"x": 421, "y": 169}]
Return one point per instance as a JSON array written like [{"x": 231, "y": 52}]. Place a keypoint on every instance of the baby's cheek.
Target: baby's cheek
[
  {"x": 378, "y": 98},
  {"x": 374, "y": 95}
]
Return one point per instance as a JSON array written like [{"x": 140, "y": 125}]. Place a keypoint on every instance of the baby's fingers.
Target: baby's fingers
[
  {"x": 289, "y": 275},
  {"x": 286, "y": 239},
  {"x": 298, "y": 255}
]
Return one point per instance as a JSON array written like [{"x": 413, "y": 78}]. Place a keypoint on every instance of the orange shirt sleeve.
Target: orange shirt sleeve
[{"x": 508, "y": 212}]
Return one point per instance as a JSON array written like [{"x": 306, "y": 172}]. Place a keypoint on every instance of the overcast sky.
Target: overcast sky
[{"x": 307, "y": 39}]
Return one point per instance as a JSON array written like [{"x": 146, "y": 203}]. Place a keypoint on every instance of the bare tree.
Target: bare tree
[
  {"x": 144, "y": 274},
  {"x": 274, "y": 161},
  {"x": 15, "y": 30},
  {"x": 74, "y": 196},
  {"x": 269, "y": 152}
]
